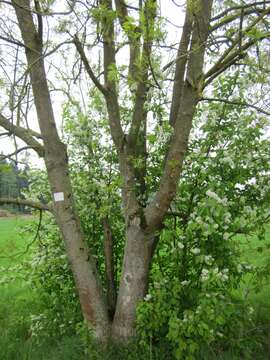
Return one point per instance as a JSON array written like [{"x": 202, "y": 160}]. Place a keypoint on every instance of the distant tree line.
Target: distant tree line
[{"x": 13, "y": 183}]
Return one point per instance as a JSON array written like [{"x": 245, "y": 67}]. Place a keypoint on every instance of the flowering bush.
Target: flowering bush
[{"x": 224, "y": 192}]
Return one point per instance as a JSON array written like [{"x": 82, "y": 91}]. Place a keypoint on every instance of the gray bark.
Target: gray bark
[
  {"x": 134, "y": 280},
  {"x": 82, "y": 263}
]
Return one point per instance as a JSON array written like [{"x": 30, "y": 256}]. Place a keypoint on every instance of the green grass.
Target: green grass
[
  {"x": 18, "y": 301},
  {"x": 13, "y": 243},
  {"x": 256, "y": 289}
]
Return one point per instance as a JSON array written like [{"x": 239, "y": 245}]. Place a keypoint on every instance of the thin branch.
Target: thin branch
[
  {"x": 239, "y": 7},
  {"x": 3, "y": 157},
  {"x": 12, "y": 41},
  {"x": 43, "y": 13},
  {"x": 228, "y": 57},
  {"x": 87, "y": 66},
  {"x": 232, "y": 59},
  {"x": 237, "y": 103},
  {"x": 236, "y": 16}
]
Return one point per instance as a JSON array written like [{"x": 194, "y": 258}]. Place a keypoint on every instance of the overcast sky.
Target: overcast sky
[{"x": 173, "y": 10}]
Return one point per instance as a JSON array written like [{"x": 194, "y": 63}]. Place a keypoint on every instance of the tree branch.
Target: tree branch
[
  {"x": 12, "y": 41},
  {"x": 30, "y": 203},
  {"x": 14, "y": 153},
  {"x": 237, "y": 103},
  {"x": 142, "y": 76},
  {"x": 133, "y": 37},
  {"x": 23, "y": 134},
  {"x": 87, "y": 66},
  {"x": 158, "y": 207},
  {"x": 181, "y": 62},
  {"x": 110, "y": 81},
  {"x": 230, "y": 56},
  {"x": 239, "y": 7}
]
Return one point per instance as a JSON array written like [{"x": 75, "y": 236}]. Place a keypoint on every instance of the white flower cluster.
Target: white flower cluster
[
  {"x": 205, "y": 274},
  {"x": 36, "y": 324},
  {"x": 215, "y": 196},
  {"x": 195, "y": 251},
  {"x": 208, "y": 259},
  {"x": 148, "y": 297},
  {"x": 188, "y": 317},
  {"x": 227, "y": 218},
  {"x": 222, "y": 275},
  {"x": 180, "y": 245},
  {"x": 228, "y": 160},
  {"x": 185, "y": 282},
  {"x": 244, "y": 267}
]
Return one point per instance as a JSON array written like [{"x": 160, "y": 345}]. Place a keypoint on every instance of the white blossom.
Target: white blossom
[
  {"x": 205, "y": 274},
  {"x": 195, "y": 251},
  {"x": 185, "y": 282},
  {"x": 148, "y": 297},
  {"x": 180, "y": 245},
  {"x": 208, "y": 259},
  {"x": 215, "y": 196}
]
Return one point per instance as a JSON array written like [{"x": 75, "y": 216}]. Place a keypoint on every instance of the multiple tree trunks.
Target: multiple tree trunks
[{"x": 114, "y": 316}]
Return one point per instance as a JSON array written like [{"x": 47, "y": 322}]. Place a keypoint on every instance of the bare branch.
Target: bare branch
[
  {"x": 239, "y": 7},
  {"x": 43, "y": 13},
  {"x": 12, "y": 41},
  {"x": 23, "y": 134},
  {"x": 14, "y": 153},
  {"x": 237, "y": 103},
  {"x": 87, "y": 66},
  {"x": 31, "y": 203},
  {"x": 231, "y": 55}
]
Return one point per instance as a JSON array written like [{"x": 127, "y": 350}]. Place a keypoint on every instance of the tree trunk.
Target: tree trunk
[
  {"x": 134, "y": 280},
  {"x": 87, "y": 281},
  {"x": 109, "y": 266}
]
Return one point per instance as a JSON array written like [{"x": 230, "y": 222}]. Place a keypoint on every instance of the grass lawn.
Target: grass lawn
[
  {"x": 257, "y": 252},
  {"x": 13, "y": 242},
  {"x": 18, "y": 301}
]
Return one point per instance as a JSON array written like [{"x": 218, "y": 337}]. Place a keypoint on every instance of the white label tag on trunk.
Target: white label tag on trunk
[{"x": 59, "y": 196}]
